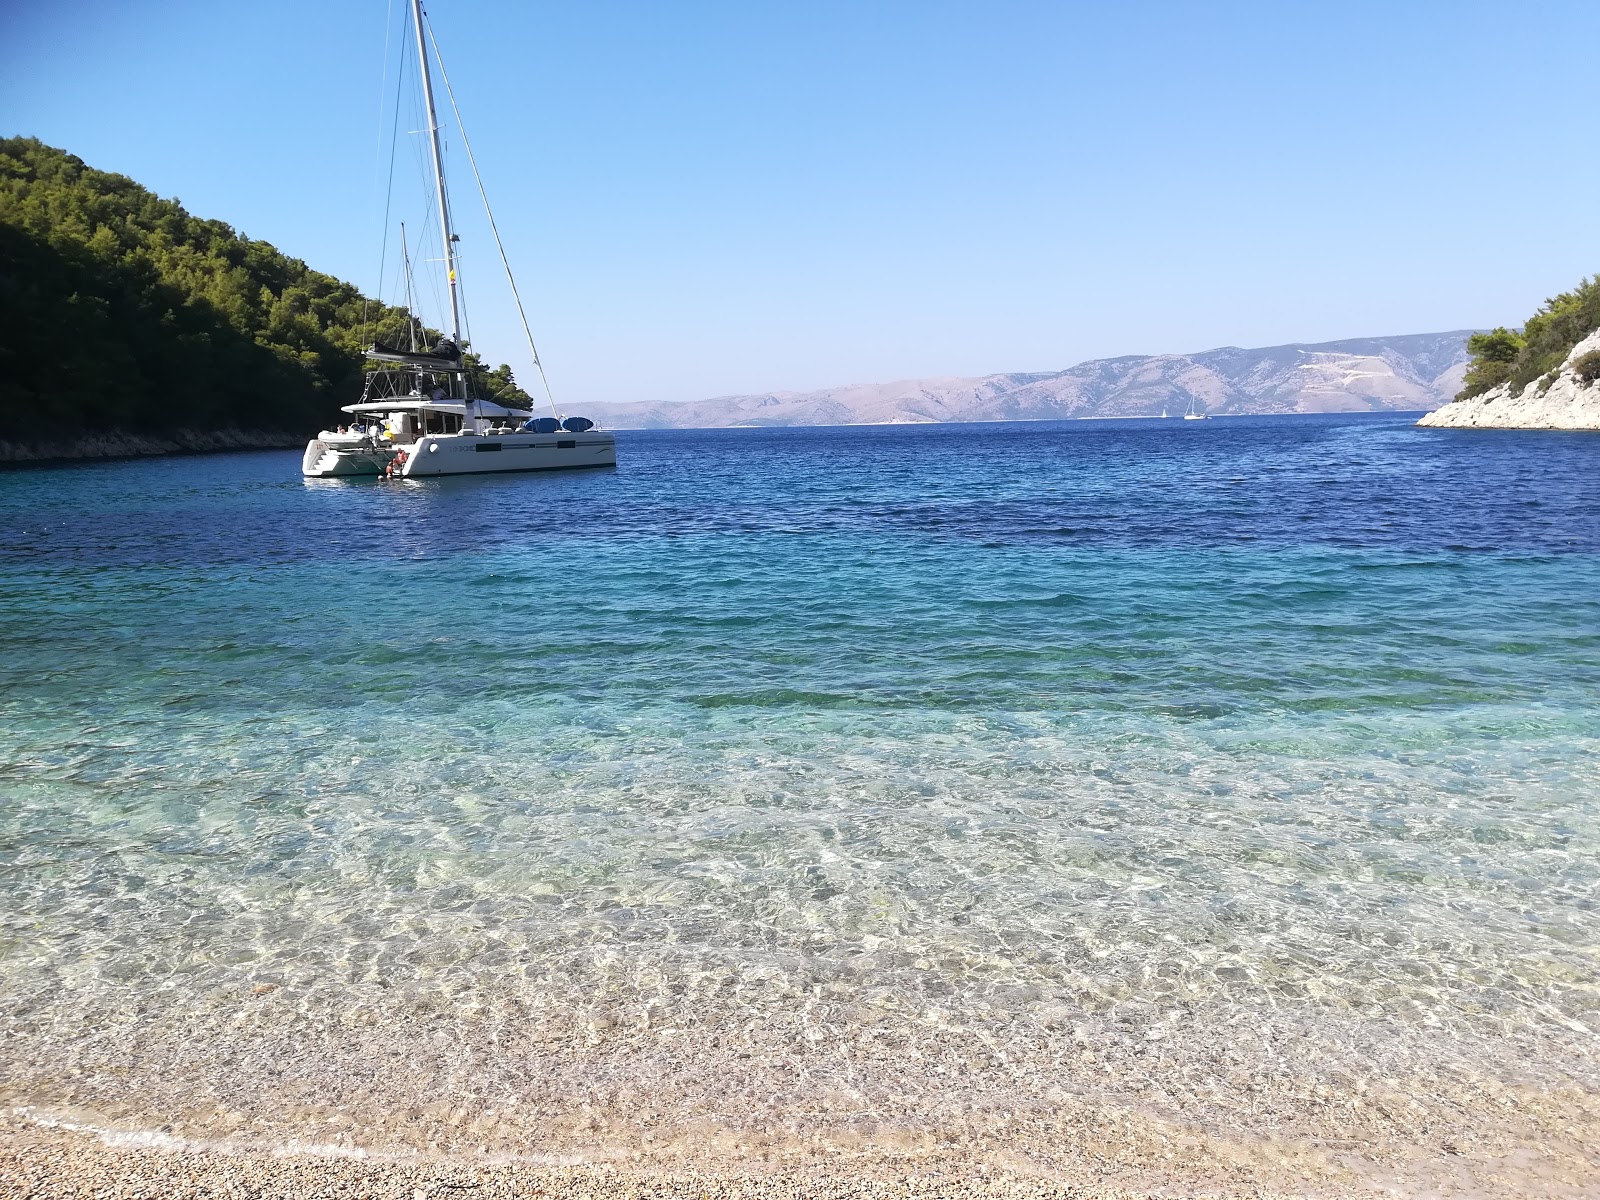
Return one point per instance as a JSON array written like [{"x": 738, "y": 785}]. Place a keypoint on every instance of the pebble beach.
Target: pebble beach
[{"x": 53, "y": 1162}]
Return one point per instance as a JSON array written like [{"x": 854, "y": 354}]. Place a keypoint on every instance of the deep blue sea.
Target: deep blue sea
[{"x": 871, "y": 790}]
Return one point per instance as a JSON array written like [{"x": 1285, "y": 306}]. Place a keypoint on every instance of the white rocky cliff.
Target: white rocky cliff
[{"x": 1567, "y": 402}]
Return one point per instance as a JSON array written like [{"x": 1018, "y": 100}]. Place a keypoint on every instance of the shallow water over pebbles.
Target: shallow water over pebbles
[{"x": 1126, "y": 796}]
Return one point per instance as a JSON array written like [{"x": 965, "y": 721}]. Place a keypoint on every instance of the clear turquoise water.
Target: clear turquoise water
[{"x": 810, "y": 778}]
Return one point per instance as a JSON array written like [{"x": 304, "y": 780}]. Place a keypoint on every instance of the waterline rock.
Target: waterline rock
[{"x": 116, "y": 444}]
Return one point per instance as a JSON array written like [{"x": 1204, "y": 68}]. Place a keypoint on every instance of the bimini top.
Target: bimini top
[
  {"x": 479, "y": 408},
  {"x": 444, "y": 357}
]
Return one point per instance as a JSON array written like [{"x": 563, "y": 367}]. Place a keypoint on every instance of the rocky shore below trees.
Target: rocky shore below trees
[
  {"x": 116, "y": 444},
  {"x": 1567, "y": 398}
]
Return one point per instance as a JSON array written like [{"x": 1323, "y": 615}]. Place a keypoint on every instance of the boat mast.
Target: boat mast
[{"x": 438, "y": 176}]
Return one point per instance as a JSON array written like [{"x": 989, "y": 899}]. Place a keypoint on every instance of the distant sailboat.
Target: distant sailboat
[
  {"x": 1163, "y": 412},
  {"x": 1191, "y": 415}
]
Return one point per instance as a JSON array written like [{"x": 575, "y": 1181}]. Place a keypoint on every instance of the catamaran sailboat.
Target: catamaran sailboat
[{"x": 420, "y": 414}]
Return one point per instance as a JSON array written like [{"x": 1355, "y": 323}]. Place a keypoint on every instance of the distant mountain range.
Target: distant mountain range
[{"x": 1412, "y": 372}]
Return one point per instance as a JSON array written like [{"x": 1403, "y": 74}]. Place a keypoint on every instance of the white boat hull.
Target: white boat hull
[{"x": 467, "y": 454}]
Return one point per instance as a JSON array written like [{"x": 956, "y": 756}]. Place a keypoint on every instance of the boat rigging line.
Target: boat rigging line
[
  {"x": 445, "y": 231},
  {"x": 411, "y": 311},
  {"x": 533, "y": 350},
  {"x": 388, "y": 197}
]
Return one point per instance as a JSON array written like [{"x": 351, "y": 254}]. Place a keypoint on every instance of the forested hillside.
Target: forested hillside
[{"x": 121, "y": 311}]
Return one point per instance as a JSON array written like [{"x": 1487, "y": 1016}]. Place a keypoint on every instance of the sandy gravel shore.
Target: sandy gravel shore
[
  {"x": 40, "y": 1163},
  {"x": 51, "y": 1162}
]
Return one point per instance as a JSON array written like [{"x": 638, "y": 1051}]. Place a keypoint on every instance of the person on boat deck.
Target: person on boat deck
[{"x": 438, "y": 392}]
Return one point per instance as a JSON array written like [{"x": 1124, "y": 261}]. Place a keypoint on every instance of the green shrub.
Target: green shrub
[
  {"x": 1587, "y": 367},
  {"x": 1503, "y": 356},
  {"x": 1493, "y": 355}
]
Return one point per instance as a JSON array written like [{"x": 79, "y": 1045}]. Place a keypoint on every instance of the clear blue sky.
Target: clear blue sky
[{"x": 704, "y": 198}]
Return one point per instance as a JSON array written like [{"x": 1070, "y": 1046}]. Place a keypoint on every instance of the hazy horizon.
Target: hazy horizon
[{"x": 1058, "y": 370}]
